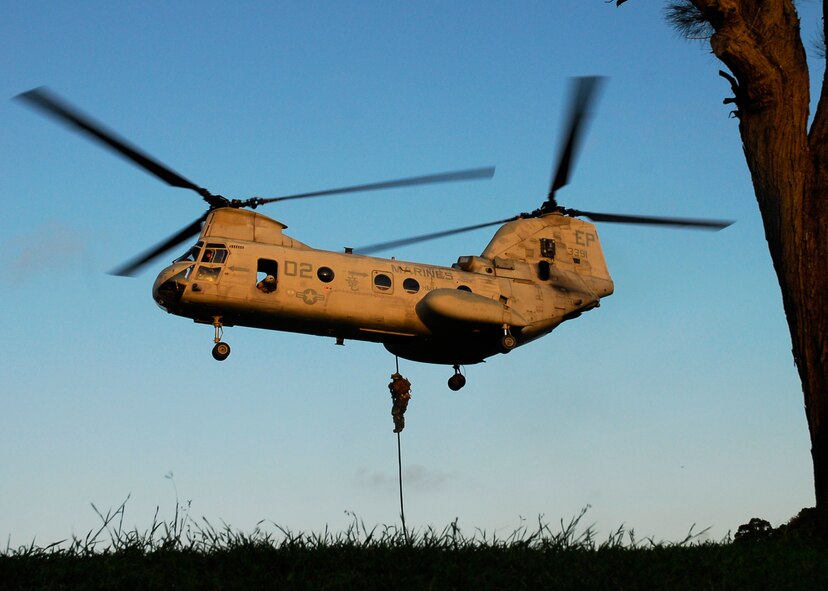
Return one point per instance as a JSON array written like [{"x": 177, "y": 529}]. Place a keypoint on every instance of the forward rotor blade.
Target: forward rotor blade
[
  {"x": 583, "y": 93},
  {"x": 446, "y": 177},
  {"x": 131, "y": 267},
  {"x": 425, "y": 237},
  {"x": 51, "y": 104},
  {"x": 651, "y": 220}
]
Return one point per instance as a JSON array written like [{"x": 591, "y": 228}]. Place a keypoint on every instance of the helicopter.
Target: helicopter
[{"x": 540, "y": 269}]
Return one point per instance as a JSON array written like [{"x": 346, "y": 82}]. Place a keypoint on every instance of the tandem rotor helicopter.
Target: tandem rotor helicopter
[{"x": 540, "y": 268}]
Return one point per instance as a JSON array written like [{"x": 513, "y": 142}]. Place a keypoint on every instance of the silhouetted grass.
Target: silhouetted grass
[{"x": 190, "y": 554}]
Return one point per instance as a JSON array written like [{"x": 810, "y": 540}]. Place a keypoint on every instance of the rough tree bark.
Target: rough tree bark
[{"x": 759, "y": 41}]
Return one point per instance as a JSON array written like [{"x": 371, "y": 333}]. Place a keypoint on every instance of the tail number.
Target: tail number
[{"x": 584, "y": 238}]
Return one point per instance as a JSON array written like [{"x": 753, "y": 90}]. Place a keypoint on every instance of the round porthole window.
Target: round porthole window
[
  {"x": 464, "y": 288},
  {"x": 411, "y": 285},
  {"x": 382, "y": 282},
  {"x": 325, "y": 274}
]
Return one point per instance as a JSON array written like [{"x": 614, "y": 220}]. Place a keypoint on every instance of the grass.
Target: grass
[{"x": 190, "y": 554}]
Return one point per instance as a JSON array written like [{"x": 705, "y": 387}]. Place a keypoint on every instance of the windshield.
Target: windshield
[{"x": 190, "y": 255}]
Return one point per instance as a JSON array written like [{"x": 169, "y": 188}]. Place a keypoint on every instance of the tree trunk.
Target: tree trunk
[{"x": 759, "y": 41}]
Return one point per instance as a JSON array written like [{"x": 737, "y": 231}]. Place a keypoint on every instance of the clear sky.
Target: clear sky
[{"x": 676, "y": 403}]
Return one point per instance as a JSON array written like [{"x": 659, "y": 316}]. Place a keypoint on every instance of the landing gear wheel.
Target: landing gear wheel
[
  {"x": 457, "y": 381},
  {"x": 507, "y": 343},
  {"x": 221, "y": 351}
]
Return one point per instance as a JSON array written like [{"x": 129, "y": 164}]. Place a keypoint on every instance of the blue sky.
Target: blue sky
[{"x": 676, "y": 403}]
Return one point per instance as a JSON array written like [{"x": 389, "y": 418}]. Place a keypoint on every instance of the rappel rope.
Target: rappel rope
[
  {"x": 400, "y": 395},
  {"x": 402, "y": 504}
]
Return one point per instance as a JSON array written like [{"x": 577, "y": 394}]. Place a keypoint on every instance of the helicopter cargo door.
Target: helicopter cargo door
[{"x": 267, "y": 273}]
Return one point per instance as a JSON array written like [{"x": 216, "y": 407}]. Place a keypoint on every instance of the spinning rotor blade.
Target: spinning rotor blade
[
  {"x": 650, "y": 220},
  {"x": 131, "y": 267},
  {"x": 583, "y": 94},
  {"x": 446, "y": 177},
  {"x": 714, "y": 225},
  {"x": 425, "y": 237},
  {"x": 54, "y": 106}
]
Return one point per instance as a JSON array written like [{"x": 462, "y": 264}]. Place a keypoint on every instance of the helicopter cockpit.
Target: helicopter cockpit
[
  {"x": 172, "y": 281},
  {"x": 212, "y": 261},
  {"x": 170, "y": 284}
]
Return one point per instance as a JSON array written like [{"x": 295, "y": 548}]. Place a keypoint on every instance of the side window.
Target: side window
[
  {"x": 547, "y": 248},
  {"x": 383, "y": 282},
  {"x": 325, "y": 274},
  {"x": 266, "y": 275},
  {"x": 411, "y": 285}
]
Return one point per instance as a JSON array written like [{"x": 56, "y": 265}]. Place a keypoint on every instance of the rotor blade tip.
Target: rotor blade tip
[{"x": 122, "y": 272}]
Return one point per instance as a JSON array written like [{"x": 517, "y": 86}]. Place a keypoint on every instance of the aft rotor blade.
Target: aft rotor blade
[
  {"x": 425, "y": 237},
  {"x": 583, "y": 93},
  {"x": 131, "y": 267},
  {"x": 446, "y": 177},
  {"x": 51, "y": 104},
  {"x": 702, "y": 224}
]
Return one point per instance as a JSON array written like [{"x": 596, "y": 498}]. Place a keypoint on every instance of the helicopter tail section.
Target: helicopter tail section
[
  {"x": 553, "y": 265},
  {"x": 557, "y": 246}
]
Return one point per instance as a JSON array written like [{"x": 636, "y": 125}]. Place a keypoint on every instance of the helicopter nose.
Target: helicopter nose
[{"x": 170, "y": 284}]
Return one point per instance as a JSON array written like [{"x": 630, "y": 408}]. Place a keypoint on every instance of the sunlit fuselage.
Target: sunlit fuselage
[{"x": 244, "y": 271}]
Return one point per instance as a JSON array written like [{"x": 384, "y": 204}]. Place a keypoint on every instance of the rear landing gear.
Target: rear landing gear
[
  {"x": 221, "y": 351},
  {"x": 508, "y": 341},
  {"x": 458, "y": 380}
]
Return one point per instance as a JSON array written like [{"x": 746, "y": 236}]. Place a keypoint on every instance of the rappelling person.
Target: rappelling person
[{"x": 400, "y": 395}]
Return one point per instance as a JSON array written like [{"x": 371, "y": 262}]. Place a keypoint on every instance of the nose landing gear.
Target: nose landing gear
[
  {"x": 221, "y": 351},
  {"x": 458, "y": 380}
]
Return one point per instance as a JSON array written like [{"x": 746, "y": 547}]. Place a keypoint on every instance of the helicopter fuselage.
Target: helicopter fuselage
[{"x": 534, "y": 274}]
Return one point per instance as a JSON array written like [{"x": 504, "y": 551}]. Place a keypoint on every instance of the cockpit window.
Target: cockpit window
[
  {"x": 208, "y": 273},
  {"x": 190, "y": 255},
  {"x": 212, "y": 258},
  {"x": 170, "y": 292},
  {"x": 215, "y": 254}
]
